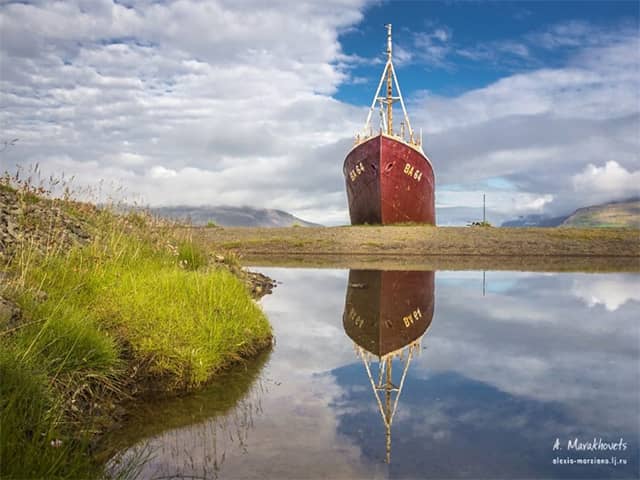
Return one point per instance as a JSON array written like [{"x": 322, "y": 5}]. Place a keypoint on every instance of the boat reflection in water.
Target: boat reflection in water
[{"x": 386, "y": 314}]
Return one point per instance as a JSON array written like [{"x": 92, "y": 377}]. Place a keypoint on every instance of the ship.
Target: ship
[
  {"x": 389, "y": 179},
  {"x": 386, "y": 315}
]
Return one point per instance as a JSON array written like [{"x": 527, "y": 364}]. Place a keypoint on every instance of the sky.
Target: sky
[{"x": 535, "y": 104}]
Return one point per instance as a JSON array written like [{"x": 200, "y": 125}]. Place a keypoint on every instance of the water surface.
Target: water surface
[{"x": 418, "y": 375}]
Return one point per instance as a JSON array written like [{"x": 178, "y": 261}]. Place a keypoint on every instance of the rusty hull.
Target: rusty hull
[
  {"x": 387, "y": 310},
  {"x": 389, "y": 182}
]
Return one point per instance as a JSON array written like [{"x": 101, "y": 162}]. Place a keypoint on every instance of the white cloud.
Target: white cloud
[
  {"x": 401, "y": 55},
  {"x": 497, "y": 202},
  {"x": 432, "y": 47},
  {"x": 128, "y": 158},
  {"x": 611, "y": 180},
  {"x": 611, "y": 291},
  {"x": 504, "y": 53},
  {"x": 160, "y": 172}
]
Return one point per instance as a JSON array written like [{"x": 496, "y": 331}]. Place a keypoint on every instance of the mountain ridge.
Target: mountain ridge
[
  {"x": 616, "y": 213},
  {"x": 229, "y": 216}
]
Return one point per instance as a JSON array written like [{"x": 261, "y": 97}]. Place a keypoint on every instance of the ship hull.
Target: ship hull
[
  {"x": 387, "y": 310},
  {"x": 389, "y": 182}
]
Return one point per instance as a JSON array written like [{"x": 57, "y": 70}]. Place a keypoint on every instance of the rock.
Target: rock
[
  {"x": 10, "y": 314},
  {"x": 12, "y": 228},
  {"x": 41, "y": 296},
  {"x": 259, "y": 284}
]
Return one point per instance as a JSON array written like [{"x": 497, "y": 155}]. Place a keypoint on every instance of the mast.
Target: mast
[
  {"x": 384, "y": 389},
  {"x": 390, "y": 80},
  {"x": 388, "y": 388},
  {"x": 389, "y": 100}
]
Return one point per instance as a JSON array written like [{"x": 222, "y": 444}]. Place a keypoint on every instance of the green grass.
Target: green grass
[
  {"x": 6, "y": 188},
  {"x": 180, "y": 319},
  {"x": 191, "y": 255},
  {"x": 131, "y": 309},
  {"x": 34, "y": 440}
]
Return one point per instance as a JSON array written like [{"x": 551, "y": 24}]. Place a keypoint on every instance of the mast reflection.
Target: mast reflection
[{"x": 386, "y": 314}]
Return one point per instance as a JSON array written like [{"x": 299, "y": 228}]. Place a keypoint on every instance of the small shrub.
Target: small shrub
[{"x": 191, "y": 256}]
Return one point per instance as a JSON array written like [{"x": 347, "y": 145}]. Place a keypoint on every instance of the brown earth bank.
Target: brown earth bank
[{"x": 424, "y": 247}]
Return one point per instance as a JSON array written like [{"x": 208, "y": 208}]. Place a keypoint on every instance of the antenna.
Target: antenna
[
  {"x": 484, "y": 281},
  {"x": 389, "y": 48},
  {"x": 389, "y": 100},
  {"x": 484, "y": 208}
]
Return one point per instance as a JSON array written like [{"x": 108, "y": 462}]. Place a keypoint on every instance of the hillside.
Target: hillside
[
  {"x": 231, "y": 216},
  {"x": 625, "y": 213},
  {"x": 535, "y": 221}
]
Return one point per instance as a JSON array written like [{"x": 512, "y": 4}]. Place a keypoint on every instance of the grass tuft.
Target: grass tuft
[{"x": 191, "y": 256}]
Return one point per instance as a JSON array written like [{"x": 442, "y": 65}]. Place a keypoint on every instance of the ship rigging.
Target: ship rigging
[{"x": 386, "y": 103}]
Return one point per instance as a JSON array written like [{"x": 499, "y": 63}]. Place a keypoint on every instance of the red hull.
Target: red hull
[
  {"x": 389, "y": 182},
  {"x": 387, "y": 310}
]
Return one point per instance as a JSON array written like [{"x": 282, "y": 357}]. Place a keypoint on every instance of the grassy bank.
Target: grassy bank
[{"x": 125, "y": 311}]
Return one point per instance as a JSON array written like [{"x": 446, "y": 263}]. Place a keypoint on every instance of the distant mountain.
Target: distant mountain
[
  {"x": 623, "y": 213},
  {"x": 535, "y": 221},
  {"x": 231, "y": 216}
]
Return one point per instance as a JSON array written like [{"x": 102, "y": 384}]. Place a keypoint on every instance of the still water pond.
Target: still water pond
[{"x": 418, "y": 375}]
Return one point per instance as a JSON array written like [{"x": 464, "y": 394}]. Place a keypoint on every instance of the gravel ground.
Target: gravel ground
[{"x": 556, "y": 249}]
